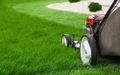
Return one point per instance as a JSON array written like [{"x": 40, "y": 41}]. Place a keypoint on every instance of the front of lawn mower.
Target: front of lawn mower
[
  {"x": 85, "y": 49},
  {"x": 101, "y": 34}
]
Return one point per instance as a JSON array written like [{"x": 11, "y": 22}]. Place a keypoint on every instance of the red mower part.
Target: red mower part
[{"x": 90, "y": 20}]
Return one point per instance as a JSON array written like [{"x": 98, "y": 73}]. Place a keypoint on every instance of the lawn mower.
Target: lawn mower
[{"x": 101, "y": 34}]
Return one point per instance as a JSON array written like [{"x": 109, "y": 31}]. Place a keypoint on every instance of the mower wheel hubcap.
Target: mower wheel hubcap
[{"x": 85, "y": 50}]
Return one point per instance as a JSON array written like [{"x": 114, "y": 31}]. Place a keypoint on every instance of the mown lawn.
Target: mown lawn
[{"x": 30, "y": 41}]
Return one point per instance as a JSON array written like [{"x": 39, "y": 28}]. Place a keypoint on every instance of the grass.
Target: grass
[{"x": 30, "y": 41}]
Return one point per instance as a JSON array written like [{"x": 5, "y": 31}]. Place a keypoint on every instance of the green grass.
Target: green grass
[{"x": 30, "y": 41}]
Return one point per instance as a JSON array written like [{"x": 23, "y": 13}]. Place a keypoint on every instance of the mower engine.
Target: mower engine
[{"x": 91, "y": 22}]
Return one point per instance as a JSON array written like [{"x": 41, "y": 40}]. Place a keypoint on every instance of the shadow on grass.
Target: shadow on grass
[{"x": 109, "y": 60}]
